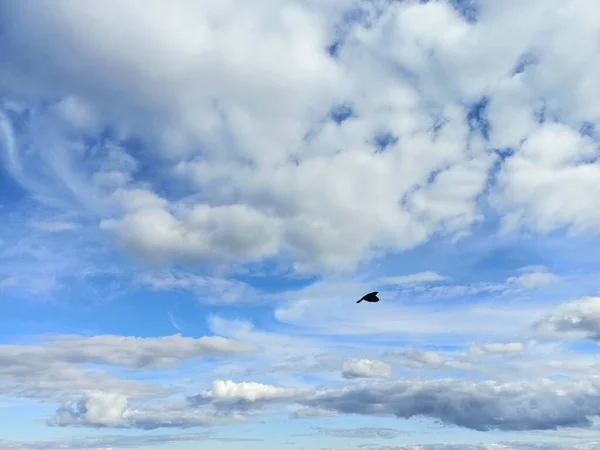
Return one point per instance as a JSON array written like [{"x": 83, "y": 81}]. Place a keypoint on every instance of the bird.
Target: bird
[{"x": 370, "y": 297}]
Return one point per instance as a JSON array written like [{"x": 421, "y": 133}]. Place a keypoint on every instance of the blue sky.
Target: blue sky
[{"x": 193, "y": 196}]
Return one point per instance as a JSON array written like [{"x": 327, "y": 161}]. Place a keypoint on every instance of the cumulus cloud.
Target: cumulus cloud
[
  {"x": 297, "y": 150},
  {"x": 579, "y": 319},
  {"x": 97, "y": 400},
  {"x": 229, "y": 394},
  {"x": 366, "y": 368},
  {"x": 534, "y": 277},
  {"x": 479, "y": 405},
  {"x": 97, "y": 409},
  {"x": 532, "y": 181},
  {"x": 487, "y": 405},
  {"x": 227, "y": 233}
]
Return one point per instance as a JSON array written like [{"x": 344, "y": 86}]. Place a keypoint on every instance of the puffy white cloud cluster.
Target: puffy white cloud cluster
[
  {"x": 287, "y": 131},
  {"x": 96, "y": 409},
  {"x": 578, "y": 319}
]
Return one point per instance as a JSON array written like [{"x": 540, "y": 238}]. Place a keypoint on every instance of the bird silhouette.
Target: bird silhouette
[{"x": 370, "y": 297}]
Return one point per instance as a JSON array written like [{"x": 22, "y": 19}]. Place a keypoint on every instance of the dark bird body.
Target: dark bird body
[{"x": 370, "y": 297}]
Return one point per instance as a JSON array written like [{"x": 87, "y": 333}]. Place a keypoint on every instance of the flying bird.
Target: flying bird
[{"x": 370, "y": 297}]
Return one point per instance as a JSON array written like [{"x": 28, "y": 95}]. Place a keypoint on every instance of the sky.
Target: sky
[{"x": 194, "y": 195}]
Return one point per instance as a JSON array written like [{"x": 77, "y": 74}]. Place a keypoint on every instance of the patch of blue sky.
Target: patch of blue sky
[
  {"x": 468, "y": 9},
  {"x": 586, "y": 347},
  {"x": 11, "y": 192},
  {"x": 476, "y": 118},
  {"x": 22, "y": 417}
]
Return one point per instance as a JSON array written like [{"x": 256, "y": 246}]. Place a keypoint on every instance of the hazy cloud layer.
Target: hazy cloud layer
[{"x": 116, "y": 441}]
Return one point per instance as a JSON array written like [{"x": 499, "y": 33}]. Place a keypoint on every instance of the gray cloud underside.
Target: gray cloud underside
[
  {"x": 578, "y": 319},
  {"x": 527, "y": 405},
  {"x": 536, "y": 405},
  {"x": 487, "y": 405}
]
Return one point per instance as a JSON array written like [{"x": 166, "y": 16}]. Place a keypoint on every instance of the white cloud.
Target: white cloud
[
  {"x": 100, "y": 410},
  {"x": 57, "y": 367},
  {"x": 95, "y": 409},
  {"x": 230, "y": 129},
  {"x": 135, "y": 352},
  {"x": 234, "y": 232},
  {"x": 244, "y": 395},
  {"x": 535, "y": 279},
  {"x": 421, "y": 277},
  {"x": 366, "y": 368},
  {"x": 544, "y": 186},
  {"x": 578, "y": 319},
  {"x": 499, "y": 348}
]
